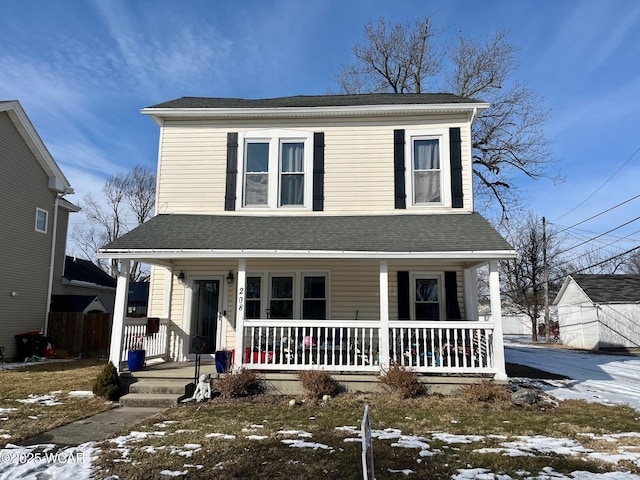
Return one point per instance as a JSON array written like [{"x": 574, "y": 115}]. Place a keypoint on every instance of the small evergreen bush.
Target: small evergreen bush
[
  {"x": 107, "y": 384},
  {"x": 317, "y": 383},
  {"x": 401, "y": 381},
  {"x": 239, "y": 383}
]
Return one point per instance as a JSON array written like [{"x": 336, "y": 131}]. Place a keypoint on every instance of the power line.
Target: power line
[
  {"x": 597, "y": 214},
  {"x": 601, "y": 235},
  {"x": 601, "y": 186}
]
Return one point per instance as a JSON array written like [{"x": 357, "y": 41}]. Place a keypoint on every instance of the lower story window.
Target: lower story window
[
  {"x": 253, "y": 300},
  {"x": 427, "y": 298},
  {"x": 281, "y": 302},
  {"x": 314, "y": 300}
]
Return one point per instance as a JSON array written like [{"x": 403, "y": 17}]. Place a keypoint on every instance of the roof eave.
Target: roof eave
[
  {"x": 166, "y": 254},
  {"x": 57, "y": 181},
  {"x": 315, "y": 112}
]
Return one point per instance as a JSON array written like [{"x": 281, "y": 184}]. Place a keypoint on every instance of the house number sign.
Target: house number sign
[{"x": 240, "y": 299}]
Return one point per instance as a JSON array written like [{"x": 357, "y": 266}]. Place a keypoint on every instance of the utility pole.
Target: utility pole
[{"x": 545, "y": 272}]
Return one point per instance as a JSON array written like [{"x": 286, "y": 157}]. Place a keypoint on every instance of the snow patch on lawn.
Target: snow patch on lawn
[{"x": 46, "y": 400}]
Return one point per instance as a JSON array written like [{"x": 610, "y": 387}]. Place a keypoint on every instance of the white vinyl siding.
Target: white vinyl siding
[{"x": 358, "y": 172}]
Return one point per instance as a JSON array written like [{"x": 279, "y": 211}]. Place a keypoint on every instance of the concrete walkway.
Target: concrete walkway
[{"x": 95, "y": 428}]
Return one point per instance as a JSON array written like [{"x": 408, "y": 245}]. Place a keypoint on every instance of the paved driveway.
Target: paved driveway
[{"x": 603, "y": 378}]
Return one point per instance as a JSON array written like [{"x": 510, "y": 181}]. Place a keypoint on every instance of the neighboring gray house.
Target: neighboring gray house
[
  {"x": 82, "y": 278},
  {"x": 34, "y": 220},
  {"x": 600, "y": 311}
]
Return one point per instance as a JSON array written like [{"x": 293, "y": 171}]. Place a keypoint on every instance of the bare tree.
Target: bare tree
[
  {"x": 126, "y": 195},
  {"x": 595, "y": 261},
  {"x": 396, "y": 58},
  {"x": 523, "y": 277},
  {"x": 632, "y": 264},
  {"x": 507, "y": 139}
]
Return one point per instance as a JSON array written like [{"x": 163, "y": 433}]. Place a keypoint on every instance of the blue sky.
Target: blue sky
[{"x": 83, "y": 69}]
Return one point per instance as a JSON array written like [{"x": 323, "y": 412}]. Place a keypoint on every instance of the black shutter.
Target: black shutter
[
  {"x": 232, "y": 171},
  {"x": 455, "y": 150},
  {"x": 398, "y": 169},
  {"x": 451, "y": 296},
  {"x": 404, "y": 302},
  {"x": 318, "y": 171}
]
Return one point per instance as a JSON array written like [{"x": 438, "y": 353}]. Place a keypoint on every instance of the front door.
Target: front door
[{"x": 205, "y": 314}]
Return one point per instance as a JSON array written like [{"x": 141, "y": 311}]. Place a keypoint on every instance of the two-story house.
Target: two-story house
[
  {"x": 334, "y": 232},
  {"x": 34, "y": 227}
]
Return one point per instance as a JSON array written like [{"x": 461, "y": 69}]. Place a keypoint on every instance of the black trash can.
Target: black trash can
[{"x": 29, "y": 344}]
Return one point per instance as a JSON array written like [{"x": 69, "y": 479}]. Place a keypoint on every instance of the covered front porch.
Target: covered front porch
[
  {"x": 338, "y": 345},
  {"x": 342, "y": 294}
]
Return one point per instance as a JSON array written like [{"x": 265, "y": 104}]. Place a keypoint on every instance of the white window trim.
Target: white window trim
[
  {"x": 275, "y": 137},
  {"x": 298, "y": 289},
  {"x": 46, "y": 220},
  {"x": 439, "y": 276},
  {"x": 442, "y": 134}
]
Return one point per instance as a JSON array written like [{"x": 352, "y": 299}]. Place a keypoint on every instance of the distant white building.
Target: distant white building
[{"x": 600, "y": 311}]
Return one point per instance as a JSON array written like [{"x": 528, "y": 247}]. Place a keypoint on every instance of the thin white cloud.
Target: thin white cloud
[
  {"x": 593, "y": 33},
  {"x": 608, "y": 108}
]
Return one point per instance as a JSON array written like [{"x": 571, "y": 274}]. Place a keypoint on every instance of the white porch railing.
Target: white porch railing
[
  {"x": 134, "y": 337},
  {"x": 444, "y": 347},
  {"x": 354, "y": 346}
]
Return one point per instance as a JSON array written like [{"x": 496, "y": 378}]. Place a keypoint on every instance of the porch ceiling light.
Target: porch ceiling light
[
  {"x": 181, "y": 278},
  {"x": 230, "y": 278}
]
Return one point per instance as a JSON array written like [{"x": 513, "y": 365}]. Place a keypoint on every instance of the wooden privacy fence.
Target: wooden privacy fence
[{"x": 76, "y": 333}]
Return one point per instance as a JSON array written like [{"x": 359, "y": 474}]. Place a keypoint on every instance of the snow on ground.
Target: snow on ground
[
  {"x": 75, "y": 462},
  {"x": 610, "y": 379},
  {"x": 598, "y": 378}
]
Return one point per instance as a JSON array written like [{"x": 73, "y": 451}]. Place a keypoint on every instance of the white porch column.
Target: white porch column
[
  {"x": 471, "y": 294},
  {"x": 384, "y": 314},
  {"x": 240, "y": 298},
  {"x": 168, "y": 291},
  {"x": 496, "y": 316},
  {"x": 119, "y": 312}
]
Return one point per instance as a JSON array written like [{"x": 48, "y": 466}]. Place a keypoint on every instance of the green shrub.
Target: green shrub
[
  {"x": 401, "y": 381},
  {"x": 317, "y": 383},
  {"x": 107, "y": 384},
  {"x": 239, "y": 383}
]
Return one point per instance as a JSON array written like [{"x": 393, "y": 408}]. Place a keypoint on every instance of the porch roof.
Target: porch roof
[{"x": 463, "y": 236}]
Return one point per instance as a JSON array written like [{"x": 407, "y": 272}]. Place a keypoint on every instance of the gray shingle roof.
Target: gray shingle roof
[
  {"x": 85, "y": 271},
  {"x": 317, "y": 101},
  {"x": 380, "y": 233},
  {"x": 610, "y": 288}
]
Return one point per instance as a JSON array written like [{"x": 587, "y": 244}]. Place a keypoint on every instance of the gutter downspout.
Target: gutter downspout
[{"x": 54, "y": 233}]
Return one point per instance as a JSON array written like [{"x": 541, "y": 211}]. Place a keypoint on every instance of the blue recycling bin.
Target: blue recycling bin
[
  {"x": 135, "y": 360},
  {"x": 223, "y": 361}
]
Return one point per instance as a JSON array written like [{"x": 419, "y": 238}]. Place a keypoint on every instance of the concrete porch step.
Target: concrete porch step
[
  {"x": 175, "y": 387},
  {"x": 159, "y": 400}
]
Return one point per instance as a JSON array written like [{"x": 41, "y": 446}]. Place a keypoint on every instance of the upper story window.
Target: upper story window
[
  {"x": 427, "y": 159},
  {"x": 41, "y": 220},
  {"x": 276, "y": 169}
]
